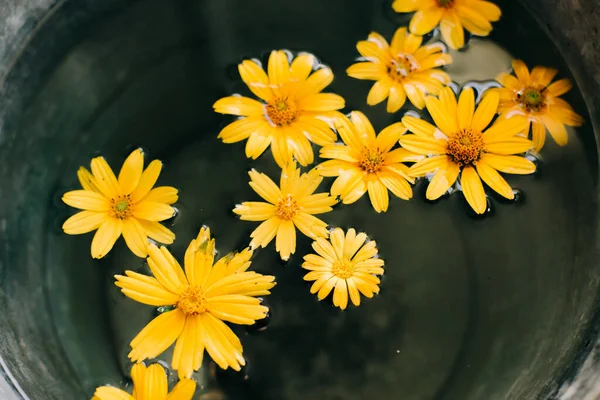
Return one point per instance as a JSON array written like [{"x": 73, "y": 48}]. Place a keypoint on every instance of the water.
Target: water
[{"x": 463, "y": 311}]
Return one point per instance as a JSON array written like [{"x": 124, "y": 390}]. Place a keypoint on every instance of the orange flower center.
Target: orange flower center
[
  {"x": 445, "y": 3},
  {"x": 192, "y": 301},
  {"x": 121, "y": 207},
  {"x": 282, "y": 111},
  {"x": 343, "y": 269},
  {"x": 371, "y": 160},
  {"x": 465, "y": 147},
  {"x": 401, "y": 66},
  {"x": 287, "y": 208},
  {"x": 532, "y": 99}
]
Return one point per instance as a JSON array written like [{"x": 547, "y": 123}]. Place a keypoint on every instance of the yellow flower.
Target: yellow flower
[
  {"x": 293, "y": 111},
  {"x": 452, "y": 16},
  {"x": 402, "y": 69},
  {"x": 461, "y": 144},
  {"x": 289, "y": 206},
  {"x": 127, "y": 206},
  {"x": 367, "y": 162},
  {"x": 346, "y": 264},
  {"x": 204, "y": 296},
  {"x": 532, "y": 95},
  {"x": 148, "y": 384}
]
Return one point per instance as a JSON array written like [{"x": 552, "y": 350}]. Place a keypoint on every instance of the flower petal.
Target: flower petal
[
  {"x": 429, "y": 165},
  {"x": 135, "y": 237},
  {"x": 87, "y": 180},
  {"x": 111, "y": 393},
  {"x": 242, "y": 129},
  {"x": 186, "y": 348},
  {"x": 445, "y": 121},
  {"x": 84, "y": 222},
  {"x": 157, "y": 231},
  {"x": 486, "y": 110},
  {"x": 105, "y": 178},
  {"x": 418, "y": 126},
  {"x": 473, "y": 21},
  {"x": 379, "y": 91},
  {"x": 265, "y": 232},
  {"x": 353, "y": 292},
  {"x": 315, "y": 83},
  {"x": 363, "y": 126},
  {"x": 340, "y": 294},
  {"x": 166, "y": 269},
  {"x": 557, "y": 130},
  {"x": 300, "y": 146},
  {"x": 412, "y": 43},
  {"x": 131, "y": 171},
  {"x": 145, "y": 289},
  {"x": 157, "y": 336},
  {"x": 301, "y": 67},
  {"x": 322, "y": 102},
  {"x": 442, "y": 181},
  {"x": 147, "y": 181},
  {"x": 424, "y": 21},
  {"x": 221, "y": 343},
  {"x": 423, "y": 145},
  {"x": 238, "y": 105},
  {"x": 401, "y": 155},
  {"x": 514, "y": 145},
  {"x": 416, "y": 96},
  {"x": 319, "y": 203},
  {"x": 388, "y": 137},
  {"x": 310, "y": 226},
  {"x": 466, "y": 108},
  {"x": 559, "y": 88},
  {"x": 278, "y": 68},
  {"x": 254, "y": 211},
  {"x": 285, "y": 243},
  {"x": 256, "y": 79},
  {"x": 163, "y": 194},
  {"x": 509, "y": 164},
  {"x": 395, "y": 184},
  {"x": 494, "y": 180},
  {"x": 316, "y": 130},
  {"x": 378, "y": 194},
  {"x": 406, "y": 6},
  {"x": 538, "y": 135},
  {"x": 153, "y": 211},
  {"x": 506, "y": 127},
  {"x": 542, "y": 76},
  {"x": 324, "y": 249},
  {"x": 264, "y": 187},
  {"x": 106, "y": 236},
  {"x": 396, "y": 99},
  {"x": 452, "y": 31},
  {"x": 353, "y": 243},
  {"x": 326, "y": 287},
  {"x": 86, "y": 200},
  {"x": 184, "y": 390},
  {"x": 521, "y": 71},
  {"x": 473, "y": 190},
  {"x": 487, "y": 9}
]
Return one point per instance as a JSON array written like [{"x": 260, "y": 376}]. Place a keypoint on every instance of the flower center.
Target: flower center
[
  {"x": 445, "y": 3},
  {"x": 282, "y": 111},
  {"x": 371, "y": 160},
  {"x": 343, "y": 269},
  {"x": 192, "y": 301},
  {"x": 465, "y": 147},
  {"x": 287, "y": 208},
  {"x": 401, "y": 66},
  {"x": 121, "y": 207},
  {"x": 532, "y": 99}
]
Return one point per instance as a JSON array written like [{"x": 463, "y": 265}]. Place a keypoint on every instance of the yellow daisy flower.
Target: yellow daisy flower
[
  {"x": 533, "y": 95},
  {"x": 452, "y": 16},
  {"x": 402, "y": 69},
  {"x": 345, "y": 264},
  {"x": 293, "y": 111},
  {"x": 148, "y": 384},
  {"x": 289, "y": 206},
  {"x": 366, "y": 162},
  {"x": 204, "y": 296},
  {"x": 127, "y": 205},
  {"x": 462, "y": 143}
]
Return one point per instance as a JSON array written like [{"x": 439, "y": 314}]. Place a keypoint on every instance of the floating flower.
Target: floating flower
[
  {"x": 289, "y": 206},
  {"x": 461, "y": 144},
  {"x": 293, "y": 111},
  {"x": 346, "y": 264},
  {"x": 127, "y": 206},
  {"x": 366, "y": 162},
  {"x": 402, "y": 69},
  {"x": 532, "y": 95},
  {"x": 203, "y": 297},
  {"x": 452, "y": 16},
  {"x": 148, "y": 384}
]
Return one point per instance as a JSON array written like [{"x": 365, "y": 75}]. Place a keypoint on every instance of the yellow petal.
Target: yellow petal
[
  {"x": 452, "y": 31},
  {"x": 315, "y": 83},
  {"x": 366, "y": 70},
  {"x": 332, "y": 168},
  {"x": 388, "y": 137},
  {"x": 493, "y": 179},
  {"x": 345, "y": 182},
  {"x": 395, "y": 184},
  {"x": 405, "y": 6},
  {"x": 278, "y": 68},
  {"x": 157, "y": 336},
  {"x": 487, "y": 9},
  {"x": 326, "y": 287},
  {"x": 379, "y": 40},
  {"x": 542, "y": 76},
  {"x": 145, "y": 289},
  {"x": 449, "y": 102},
  {"x": 307, "y": 184},
  {"x": 242, "y": 129},
  {"x": 300, "y": 146},
  {"x": 105, "y": 178},
  {"x": 156, "y": 385},
  {"x": 415, "y": 95},
  {"x": 473, "y": 190},
  {"x": 238, "y": 105},
  {"x": 369, "y": 250},
  {"x": 557, "y": 130},
  {"x": 506, "y": 127},
  {"x": 436, "y": 60},
  {"x": 138, "y": 373},
  {"x": 156, "y": 231},
  {"x": 521, "y": 71},
  {"x": 317, "y": 131},
  {"x": 317, "y": 203},
  {"x": 412, "y": 43},
  {"x": 131, "y": 171},
  {"x": 396, "y": 99},
  {"x": 399, "y": 169},
  {"x": 340, "y": 294},
  {"x": 264, "y": 187},
  {"x": 562, "y": 111},
  {"x": 302, "y": 66},
  {"x": 445, "y": 121},
  {"x": 84, "y": 222},
  {"x": 363, "y": 126},
  {"x": 86, "y": 200},
  {"x": 147, "y": 181},
  {"x": 429, "y": 165},
  {"x": 337, "y": 239},
  {"x": 111, "y": 393},
  {"x": 106, "y": 236},
  {"x": 424, "y": 21},
  {"x": 559, "y": 88},
  {"x": 378, "y": 194},
  {"x": 135, "y": 237},
  {"x": 280, "y": 148},
  {"x": 341, "y": 152},
  {"x": 466, "y": 108},
  {"x": 379, "y": 91},
  {"x": 254, "y": 211},
  {"x": 324, "y": 249},
  {"x": 153, "y": 211},
  {"x": 473, "y": 21},
  {"x": 351, "y": 136},
  {"x": 186, "y": 349},
  {"x": 509, "y": 81},
  {"x": 256, "y": 79},
  {"x": 285, "y": 243},
  {"x": 353, "y": 242},
  {"x": 353, "y": 193},
  {"x": 87, "y": 180},
  {"x": 265, "y": 232},
  {"x": 418, "y": 126},
  {"x": 423, "y": 145},
  {"x": 397, "y": 45},
  {"x": 163, "y": 194},
  {"x": 401, "y": 155},
  {"x": 198, "y": 261},
  {"x": 310, "y": 226},
  {"x": 538, "y": 135},
  {"x": 237, "y": 309},
  {"x": 166, "y": 269},
  {"x": 514, "y": 145},
  {"x": 509, "y": 164},
  {"x": 373, "y": 51},
  {"x": 322, "y": 102},
  {"x": 184, "y": 390},
  {"x": 486, "y": 111},
  {"x": 221, "y": 343},
  {"x": 353, "y": 292},
  {"x": 442, "y": 181}
]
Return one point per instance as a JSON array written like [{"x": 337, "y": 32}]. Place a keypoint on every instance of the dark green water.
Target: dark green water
[{"x": 469, "y": 309}]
